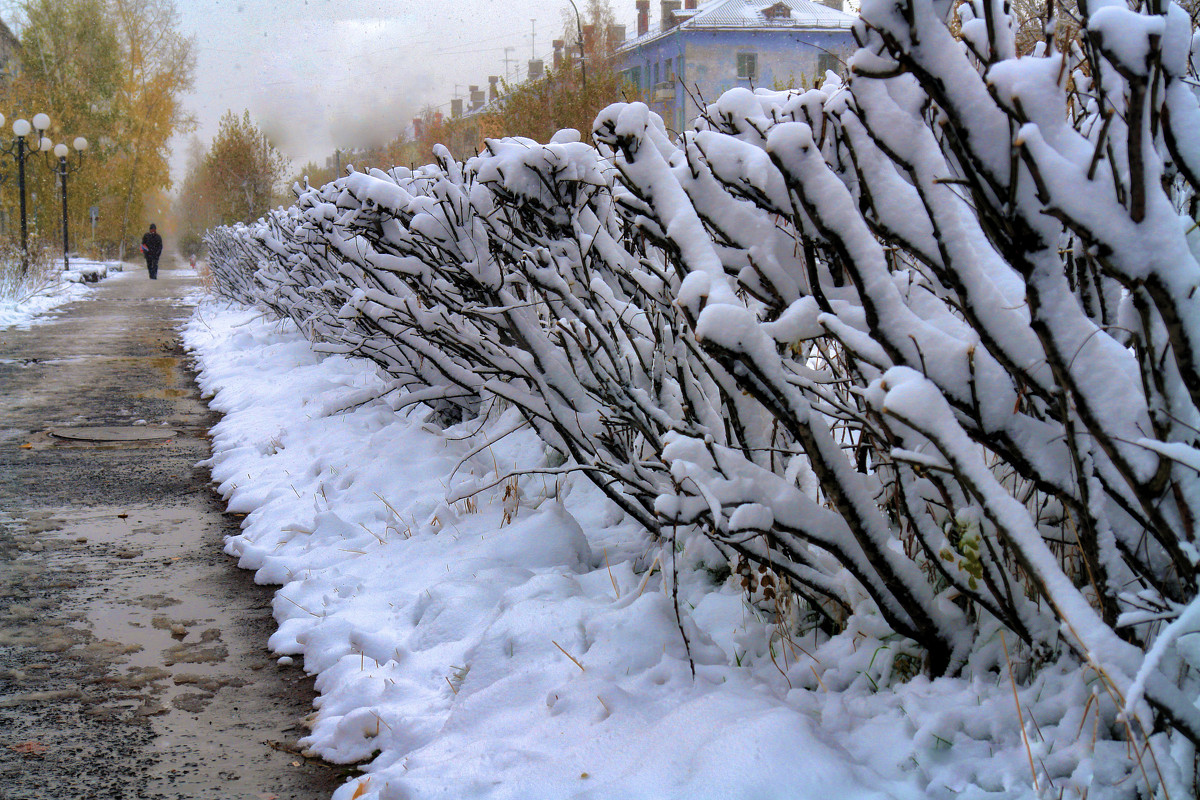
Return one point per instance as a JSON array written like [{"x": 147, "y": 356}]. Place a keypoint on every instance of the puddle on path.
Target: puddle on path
[{"x": 167, "y": 639}]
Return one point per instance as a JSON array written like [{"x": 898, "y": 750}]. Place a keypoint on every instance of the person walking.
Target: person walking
[{"x": 152, "y": 245}]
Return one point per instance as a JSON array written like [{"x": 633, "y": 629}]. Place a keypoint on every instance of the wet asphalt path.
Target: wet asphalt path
[{"x": 133, "y": 659}]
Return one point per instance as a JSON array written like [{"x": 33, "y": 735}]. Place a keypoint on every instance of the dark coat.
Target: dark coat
[{"x": 152, "y": 244}]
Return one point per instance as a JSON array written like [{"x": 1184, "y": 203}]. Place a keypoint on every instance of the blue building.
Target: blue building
[{"x": 697, "y": 52}]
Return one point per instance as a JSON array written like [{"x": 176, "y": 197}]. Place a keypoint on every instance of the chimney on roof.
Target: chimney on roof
[
  {"x": 558, "y": 52},
  {"x": 643, "y": 11},
  {"x": 536, "y": 68},
  {"x": 477, "y": 98},
  {"x": 616, "y": 35},
  {"x": 668, "y": 8},
  {"x": 456, "y": 107},
  {"x": 493, "y": 90},
  {"x": 589, "y": 38},
  {"x": 418, "y": 128},
  {"x": 689, "y": 5}
]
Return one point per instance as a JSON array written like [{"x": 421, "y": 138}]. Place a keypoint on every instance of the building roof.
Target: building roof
[
  {"x": 755, "y": 14},
  {"x": 749, "y": 13}
]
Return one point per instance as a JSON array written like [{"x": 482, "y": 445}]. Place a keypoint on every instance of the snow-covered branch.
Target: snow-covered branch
[{"x": 923, "y": 342}]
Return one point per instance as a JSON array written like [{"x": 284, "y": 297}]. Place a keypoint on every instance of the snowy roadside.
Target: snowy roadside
[
  {"x": 62, "y": 289},
  {"x": 524, "y": 644}
]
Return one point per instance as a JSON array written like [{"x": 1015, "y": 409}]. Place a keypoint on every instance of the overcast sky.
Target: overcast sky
[{"x": 320, "y": 74}]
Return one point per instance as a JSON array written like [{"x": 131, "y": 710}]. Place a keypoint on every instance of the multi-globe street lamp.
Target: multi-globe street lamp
[
  {"x": 62, "y": 169},
  {"x": 21, "y": 149},
  {"x": 582, "y": 52}
]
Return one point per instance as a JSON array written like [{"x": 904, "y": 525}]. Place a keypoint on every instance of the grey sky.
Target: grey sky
[{"x": 320, "y": 74}]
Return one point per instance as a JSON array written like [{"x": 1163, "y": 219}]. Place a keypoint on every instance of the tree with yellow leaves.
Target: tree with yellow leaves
[
  {"x": 570, "y": 94},
  {"x": 159, "y": 66},
  {"x": 241, "y": 172},
  {"x": 115, "y": 72}
]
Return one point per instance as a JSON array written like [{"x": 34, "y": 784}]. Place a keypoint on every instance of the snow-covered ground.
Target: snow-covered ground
[
  {"x": 524, "y": 643},
  {"x": 25, "y": 308}
]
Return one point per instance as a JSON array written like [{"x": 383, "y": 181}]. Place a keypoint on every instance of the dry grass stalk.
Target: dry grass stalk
[
  {"x": 1020, "y": 714},
  {"x": 568, "y": 655},
  {"x": 297, "y": 605},
  {"x": 610, "y": 574}
]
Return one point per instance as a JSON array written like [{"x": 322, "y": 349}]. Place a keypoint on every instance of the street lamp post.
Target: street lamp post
[
  {"x": 62, "y": 169},
  {"x": 21, "y": 150},
  {"x": 582, "y": 52}
]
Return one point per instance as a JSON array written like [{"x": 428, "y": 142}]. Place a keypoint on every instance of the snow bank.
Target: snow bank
[
  {"x": 62, "y": 288},
  {"x": 523, "y": 643}
]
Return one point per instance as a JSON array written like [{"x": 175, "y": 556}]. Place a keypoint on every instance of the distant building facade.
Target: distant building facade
[
  {"x": 10, "y": 48},
  {"x": 699, "y": 51},
  {"x": 10, "y": 65}
]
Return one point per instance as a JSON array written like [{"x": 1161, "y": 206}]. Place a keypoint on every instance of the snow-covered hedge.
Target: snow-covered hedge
[{"x": 923, "y": 344}]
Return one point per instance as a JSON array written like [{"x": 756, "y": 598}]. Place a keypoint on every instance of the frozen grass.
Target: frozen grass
[
  {"x": 24, "y": 298},
  {"x": 17, "y": 286}
]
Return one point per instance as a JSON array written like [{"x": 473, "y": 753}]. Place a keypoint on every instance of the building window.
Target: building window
[
  {"x": 655, "y": 74},
  {"x": 633, "y": 76},
  {"x": 827, "y": 62},
  {"x": 679, "y": 67},
  {"x": 747, "y": 66}
]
